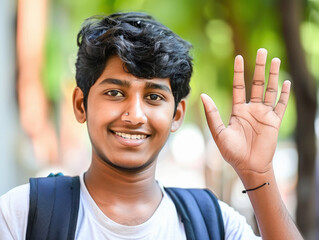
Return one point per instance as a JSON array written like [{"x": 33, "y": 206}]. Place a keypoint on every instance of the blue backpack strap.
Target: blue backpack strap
[
  {"x": 53, "y": 211},
  {"x": 200, "y": 213}
]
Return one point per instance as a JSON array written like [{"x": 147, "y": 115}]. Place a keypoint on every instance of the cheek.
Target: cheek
[
  {"x": 161, "y": 120},
  {"x": 102, "y": 112}
]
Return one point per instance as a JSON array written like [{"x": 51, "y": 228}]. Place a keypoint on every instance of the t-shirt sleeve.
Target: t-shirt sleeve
[
  {"x": 236, "y": 226},
  {"x": 14, "y": 210}
]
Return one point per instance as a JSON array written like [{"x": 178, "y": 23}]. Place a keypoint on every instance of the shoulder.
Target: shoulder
[
  {"x": 16, "y": 198},
  {"x": 14, "y": 210},
  {"x": 236, "y": 226}
]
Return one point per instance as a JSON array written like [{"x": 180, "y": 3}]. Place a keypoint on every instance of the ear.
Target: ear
[
  {"x": 78, "y": 105},
  {"x": 179, "y": 115}
]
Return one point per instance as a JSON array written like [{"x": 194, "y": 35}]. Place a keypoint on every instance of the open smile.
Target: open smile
[
  {"x": 131, "y": 136},
  {"x": 130, "y": 139}
]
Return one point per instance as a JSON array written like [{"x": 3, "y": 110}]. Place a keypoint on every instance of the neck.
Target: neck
[
  {"x": 127, "y": 197},
  {"x": 121, "y": 185}
]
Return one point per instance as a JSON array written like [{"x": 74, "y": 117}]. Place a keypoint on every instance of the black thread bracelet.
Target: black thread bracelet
[{"x": 252, "y": 189}]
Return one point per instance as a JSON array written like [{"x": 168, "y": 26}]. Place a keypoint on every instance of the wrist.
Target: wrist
[
  {"x": 255, "y": 188},
  {"x": 252, "y": 179}
]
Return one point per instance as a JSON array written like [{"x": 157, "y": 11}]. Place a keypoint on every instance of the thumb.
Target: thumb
[{"x": 213, "y": 118}]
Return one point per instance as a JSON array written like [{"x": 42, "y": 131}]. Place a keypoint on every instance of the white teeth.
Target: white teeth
[{"x": 130, "y": 136}]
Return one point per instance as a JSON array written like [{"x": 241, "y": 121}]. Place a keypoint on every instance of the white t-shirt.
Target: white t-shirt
[{"x": 94, "y": 224}]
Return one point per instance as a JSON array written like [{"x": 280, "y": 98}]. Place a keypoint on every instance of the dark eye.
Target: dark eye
[
  {"x": 114, "y": 93},
  {"x": 154, "y": 97}
]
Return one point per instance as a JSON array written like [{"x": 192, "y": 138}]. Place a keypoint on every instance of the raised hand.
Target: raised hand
[{"x": 249, "y": 141}]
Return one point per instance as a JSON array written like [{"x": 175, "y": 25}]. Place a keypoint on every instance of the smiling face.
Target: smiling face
[{"x": 129, "y": 119}]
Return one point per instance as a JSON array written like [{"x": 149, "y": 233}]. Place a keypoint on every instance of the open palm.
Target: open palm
[{"x": 249, "y": 141}]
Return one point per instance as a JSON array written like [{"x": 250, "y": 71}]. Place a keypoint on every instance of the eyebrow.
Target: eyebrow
[
  {"x": 114, "y": 81},
  {"x": 151, "y": 85},
  {"x": 125, "y": 83}
]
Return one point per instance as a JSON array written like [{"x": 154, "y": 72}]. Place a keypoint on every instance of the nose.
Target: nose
[{"x": 134, "y": 112}]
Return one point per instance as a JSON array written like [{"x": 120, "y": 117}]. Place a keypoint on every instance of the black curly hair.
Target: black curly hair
[{"x": 147, "y": 48}]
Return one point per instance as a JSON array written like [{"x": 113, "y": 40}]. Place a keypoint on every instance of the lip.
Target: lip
[{"x": 138, "y": 138}]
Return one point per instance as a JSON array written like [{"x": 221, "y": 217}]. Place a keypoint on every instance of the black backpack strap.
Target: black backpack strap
[
  {"x": 200, "y": 212},
  {"x": 54, "y": 204}
]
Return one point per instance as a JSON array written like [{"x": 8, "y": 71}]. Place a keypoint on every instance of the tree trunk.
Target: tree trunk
[{"x": 304, "y": 88}]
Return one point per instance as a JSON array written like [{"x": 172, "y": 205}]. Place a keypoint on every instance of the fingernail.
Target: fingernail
[
  {"x": 261, "y": 56},
  {"x": 276, "y": 60}
]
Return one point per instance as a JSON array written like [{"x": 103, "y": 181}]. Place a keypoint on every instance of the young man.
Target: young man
[{"x": 132, "y": 79}]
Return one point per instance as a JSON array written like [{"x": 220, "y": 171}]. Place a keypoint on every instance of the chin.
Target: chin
[{"x": 129, "y": 165}]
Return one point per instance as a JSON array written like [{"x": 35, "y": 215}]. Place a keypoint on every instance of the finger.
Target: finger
[
  {"x": 272, "y": 87},
  {"x": 239, "y": 94},
  {"x": 283, "y": 99},
  {"x": 257, "y": 89},
  {"x": 213, "y": 118}
]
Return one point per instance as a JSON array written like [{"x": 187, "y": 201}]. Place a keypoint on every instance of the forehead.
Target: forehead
[{"x": 115, "y": 69}]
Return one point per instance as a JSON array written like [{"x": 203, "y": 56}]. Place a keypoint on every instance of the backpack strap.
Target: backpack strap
[
  {"x": 53, "y": 211},
  {"x": 200, "y": 212}
]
